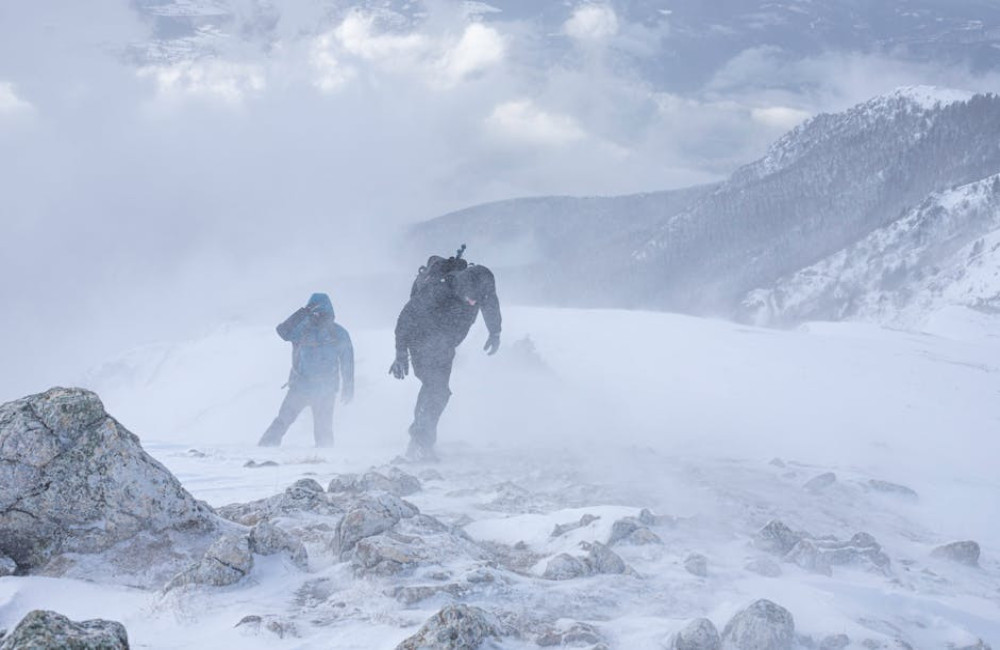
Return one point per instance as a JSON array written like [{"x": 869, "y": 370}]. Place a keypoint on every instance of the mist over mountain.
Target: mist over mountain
[{"x": 825, "y": 186}]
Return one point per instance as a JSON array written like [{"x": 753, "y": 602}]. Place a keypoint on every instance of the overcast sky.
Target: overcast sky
[{"x": 139, "y": 196}]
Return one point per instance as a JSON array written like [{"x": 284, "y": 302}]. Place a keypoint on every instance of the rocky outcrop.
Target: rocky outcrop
[
  {"x": 699, "y": 634},
  {"x": 305, "y": 496},
  {"x": 821, "y": 554},
  {"x": 268, "y": 539},
  {"x": 226, "y": 562},
  {"x": 966, "y": 552},
  {"x": 394, "y": 481},
  {"x": 599, "y": 560},
  {"x": 46, "y": 629},
  {"x": 456, "y": 627},
  {"x": 368, "y": 517},
  {"x": 761, "y": 625},
  {"x": 577, "y": 635},
  {"x": 7, "y": 566},
  {"x": 77, "y": 482}
]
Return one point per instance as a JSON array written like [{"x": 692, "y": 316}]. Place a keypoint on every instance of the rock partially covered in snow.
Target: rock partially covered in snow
[
  {"x": 45, "y": 629},
  {"x": 696, "y": 564},
  {"x": 633, "y": 530},
  {"x": 456, "y": 627},
  {"x": 966, "y": 552},
  {"x": 599, "y": 560},
  {"x": 394, "y": 481},
  {"x": 764, "y": 566},
  {"x": 76, "y": 481},
  {"x": 577, "y": 635},
  {"x": 368, "y": 517},
  {"x": 268, "y": 539},
  {"x": 562, "y": 529},
  {"x": 762, "y": 625},
  {"x": 885, "y": 487},
  {"x": 835, "y": 642},
  {"x": 226, "y": 562},
  {"x": 820, "y": 554},
  {"x": 776, "y": 538},
  {"x": 699, "y": 634},
  {"x": 821, "y": 482},
  {"x": 303, "y": 496}
]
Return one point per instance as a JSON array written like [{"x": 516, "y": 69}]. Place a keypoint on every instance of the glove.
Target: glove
[
  {"x": 400, "y": 367},
  {"x": 492, "y": 344}
]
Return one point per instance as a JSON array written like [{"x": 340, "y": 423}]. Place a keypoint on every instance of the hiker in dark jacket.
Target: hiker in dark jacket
[
  {"x": 433, "y": 323},
  {"x": 322, "y": 356}
]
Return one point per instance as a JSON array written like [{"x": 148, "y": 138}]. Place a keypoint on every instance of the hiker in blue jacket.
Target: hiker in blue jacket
[{"x": 322, "y": 358}]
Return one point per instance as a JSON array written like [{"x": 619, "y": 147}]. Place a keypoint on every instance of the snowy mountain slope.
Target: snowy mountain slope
[
  {"x": 823, "y": 187},
  {"x": 942, "y": 253},
  {"x": 678, "y": 415},
  {"x": 827, "y": 185}
]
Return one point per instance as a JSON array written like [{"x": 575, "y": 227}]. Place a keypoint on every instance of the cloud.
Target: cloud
[
  {"x": 522, "y": 120},
  {"x": 358, "y": 36},
  {"x": 782, "y": 117},
  {"x": 10, "y": 103},
  {"x": 212, "y": 79},
  {"x": 592, "y": 23},
  {"x": 479, "y": 49}
]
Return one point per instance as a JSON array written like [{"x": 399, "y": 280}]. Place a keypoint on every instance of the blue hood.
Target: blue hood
[{"x": 322, "y": 303}]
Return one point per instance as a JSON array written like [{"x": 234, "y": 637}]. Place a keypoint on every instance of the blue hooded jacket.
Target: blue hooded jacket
[{"x": 322, "y": 353}]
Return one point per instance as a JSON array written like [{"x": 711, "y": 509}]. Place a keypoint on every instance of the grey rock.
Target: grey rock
[
  {"x": 697, "y": 565},
  {"x": 396, "y": 482},
  {"x": 42, "y": 629},
  {"x": 602, "y": 559},
  {"x": 763, "y": 625},
  {"x": 777, "y": 538},
  {"x": 764, "y": 566},
  {"x": 835, "y": 642},
  {"x": 562, "y": 529},
  {"x": 8, "y": 567},
  {"x": 966, "y": 552},
  {"x": 252, "y": 464},
  {"x": 412, "y": 595},
  {"x": 303, "y": 496},
  {"x": 806, "y": 555},
  {"x": 631, "y": 530},
  {"x": 699, "y": 634},
  {"x": 257, "y": 625},
  {"x": 821, "y": 482},
  {"x": 456, "y": 627},
  {"x": 894, "y": 489},
  {"x": 268, "y": 539},
  {"x": 370, "y": 516},
  {"x": 565, "y": 567},
  {"x": 344, "y": 483},
  {"x": 978, "y": 645},
  {"x": 76, "y": 481},
  {"x": 226, "y": 562}
]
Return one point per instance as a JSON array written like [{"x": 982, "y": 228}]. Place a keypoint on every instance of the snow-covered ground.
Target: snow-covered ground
[{"x": 715, "y": 427}]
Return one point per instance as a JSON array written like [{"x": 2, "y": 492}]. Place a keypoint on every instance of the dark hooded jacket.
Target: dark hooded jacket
[
  {"x": 439, "y": 316},
  {"x": 322, "y": 353}
]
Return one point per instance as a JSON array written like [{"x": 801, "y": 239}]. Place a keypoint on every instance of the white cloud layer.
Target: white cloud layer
[
  {"x": 780, "y": 117},
  {"x": 592, "y": 22},
  {"x": 524, "y": 121},
  {"x": 10, "y": 102}
]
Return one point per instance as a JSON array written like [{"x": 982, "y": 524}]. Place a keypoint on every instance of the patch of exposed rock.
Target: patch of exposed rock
[
  {"x": 966, "y": 552},
  {"x": 367, "y": 517},
  {"x": 821, "y": 482},
  {"x": 395, "y": 481},
  {"x": 562, "y": 529},
  {"x": 456, "y": 627},
  {"x": 226, "y": 562},
  {"x": 599, "y": 560},
  {"x": 696, "y": 564},
  {"x": 305, "y": 496},
  {"x": 821, "y": 554},
  {"x": 268, "y": 539},
  {"x": 413, "y": 543},
  {"x": 46, "y": 629},
  {"x": 894, "y": 489},
  {"x": 763, "y": 624},
  {"x": 576, "y": 635},
  {"x": 699, "y": 634},
  {"x": 634, "y": 530},
  {"x": 77, "y": 482}
]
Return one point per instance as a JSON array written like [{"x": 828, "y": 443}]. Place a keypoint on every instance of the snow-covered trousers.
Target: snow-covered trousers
[
  {"x": 320, "y": 399},
  {"x": 432, "y": 366}
]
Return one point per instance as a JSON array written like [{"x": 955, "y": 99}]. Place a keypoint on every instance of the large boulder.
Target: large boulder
[
  {"x": 699, "y": 634},
  {"x": 226, "y": 562},
  {"x": 456, "y": 627},
  {"x": 75, "y": 481},
  {"x": 41, "y": 629},
  {"x": 966, "y": 552},
  {"x": 761, "y": 626},
  {"x": 370, "y": 516}
]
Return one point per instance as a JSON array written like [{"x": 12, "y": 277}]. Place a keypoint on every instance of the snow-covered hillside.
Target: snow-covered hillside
[
  {"x": 943, "y": 253},
  {"x": 716, "y": 429}
]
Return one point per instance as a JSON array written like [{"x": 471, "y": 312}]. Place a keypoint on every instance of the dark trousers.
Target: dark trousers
[
  {"x": 432, "y": 366},
  {"x": 320, "y": 400}
]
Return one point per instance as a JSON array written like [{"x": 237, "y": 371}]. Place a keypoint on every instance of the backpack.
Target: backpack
[{"x": 436, "y": 269}]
